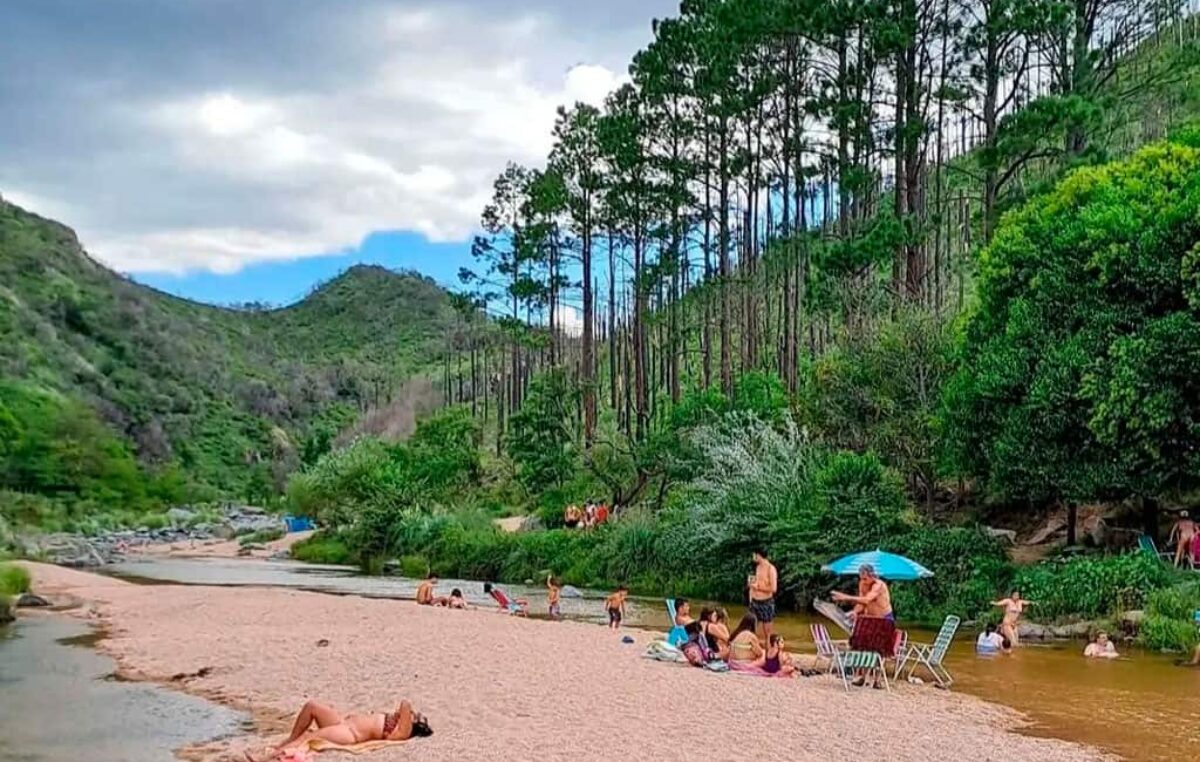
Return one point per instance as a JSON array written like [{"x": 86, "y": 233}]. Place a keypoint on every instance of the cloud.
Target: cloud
[{"x": 209, "y": 134}]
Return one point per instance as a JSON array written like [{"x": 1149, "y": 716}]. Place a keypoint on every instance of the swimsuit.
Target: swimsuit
[
  {"x": 390, "y": 721},
  {"x": 771, "y": 664},
  {"x": 764, "y": 611},
  {"x": 614, "y": 616}
]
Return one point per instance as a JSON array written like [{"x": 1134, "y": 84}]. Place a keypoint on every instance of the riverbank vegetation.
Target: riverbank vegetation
[{"x": 814, "y": 324}]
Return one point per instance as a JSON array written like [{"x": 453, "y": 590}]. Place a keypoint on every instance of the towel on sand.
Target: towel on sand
[
  {"x": 747, "y": 668},
  {"x": 320, "y": 744}
]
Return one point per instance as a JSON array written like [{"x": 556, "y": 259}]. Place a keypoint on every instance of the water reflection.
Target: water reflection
[{"x": 1140, "y": 706}]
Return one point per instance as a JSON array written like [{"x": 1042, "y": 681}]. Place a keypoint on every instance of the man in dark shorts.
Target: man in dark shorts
[{"x": 763, "y": 586}]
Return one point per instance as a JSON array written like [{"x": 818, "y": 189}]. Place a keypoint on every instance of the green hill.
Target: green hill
[{"x": 225, "y": 401}]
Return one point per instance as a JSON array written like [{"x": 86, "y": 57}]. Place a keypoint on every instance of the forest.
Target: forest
[{"x": 846, "y": 274}]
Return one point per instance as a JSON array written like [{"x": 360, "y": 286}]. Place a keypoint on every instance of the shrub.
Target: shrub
[
  {"x": 261, "y": 536},
  {"x": 1091, "y": 586},
  {"x": 416, "y": 567},
  {"x": 14, "y": 580},
  {"x": 323, "y": 548},
  {"x": 1162, "y": 633}
]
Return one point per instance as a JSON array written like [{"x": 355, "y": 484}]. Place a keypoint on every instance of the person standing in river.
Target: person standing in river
[
  {"x": 1013, "y": 607},
  {"x": 763, "y": 587}
]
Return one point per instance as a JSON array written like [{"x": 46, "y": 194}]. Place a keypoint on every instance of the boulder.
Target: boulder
[
  {"x": 1031, "y": 631},
  {"x": 1002, "y": 534},
  {"x": 1133, "y": 618},
  {"x": 180, "y": 516},
  {"x": 29, "y": 600}
]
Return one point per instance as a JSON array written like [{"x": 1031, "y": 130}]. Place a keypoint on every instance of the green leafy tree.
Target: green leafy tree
[
  {"x": 1080, "y": 361},
  {"x": 542, "y": 438}
]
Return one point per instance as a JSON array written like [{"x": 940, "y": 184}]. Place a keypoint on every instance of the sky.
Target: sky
[{"x": 246, "y": 150}]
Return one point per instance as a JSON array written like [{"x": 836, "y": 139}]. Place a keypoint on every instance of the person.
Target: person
[
  {"x": 1182, "y": 534},
  {"x": 456, "y": 600},
  {"x": 601, "y": 514},
  {"x": 875, "y": 626},
  {"x": 615, "y": 605},
  {"x": 1102, "y": 648},
  {"x": 508, "y": 605},
  {"x": 775, "y": 660},
  {"x": 571, "y": 516},
  {"x": 425, "y": 596},
  {"x": 1195, "y": 662},
  {"x": 683, "y": 612},
  {"x": 400, "y": 725},
  {"x": 713, "y": 627},
  {"x": 763, "y": 586},
  {"x": 589, "y": 515},
  {"x": 989, "y": 640},
  {"x": 743, "y": 642},
  {"x": 1013, "y": 607},
  {"x": 554, "y": 589}
]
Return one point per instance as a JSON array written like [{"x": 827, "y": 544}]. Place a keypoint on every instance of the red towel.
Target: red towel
[{"x": 874, "y": 634}]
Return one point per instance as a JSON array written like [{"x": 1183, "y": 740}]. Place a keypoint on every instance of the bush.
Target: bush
[
  {"x": 14, "y": 580},
  {"x": 261, "y": 536},
  {"x": 415, "y": 567},
  {"x": 322, "y": 548},
  {"x": 1162, "y": 633},
  {"x": 1091, "y": 586}
]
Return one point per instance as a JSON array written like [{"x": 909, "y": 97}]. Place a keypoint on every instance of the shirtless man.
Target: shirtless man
[
  {"x": 763, "y": 586},
  {"x": 1182, "y": 534},
  {"x": 874, "y": 598},
  {"x": 425, "y": 595},
  {"x": 1013, "y": 607}
]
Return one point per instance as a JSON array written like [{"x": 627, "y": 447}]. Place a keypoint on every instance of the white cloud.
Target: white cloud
[{"x": 394, "y": 117}]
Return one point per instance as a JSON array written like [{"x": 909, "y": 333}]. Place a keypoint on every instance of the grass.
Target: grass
[{"x": 13, "y": 580}]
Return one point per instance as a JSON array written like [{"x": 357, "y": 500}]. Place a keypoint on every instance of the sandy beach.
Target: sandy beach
[{"x": 502, "y": 688}]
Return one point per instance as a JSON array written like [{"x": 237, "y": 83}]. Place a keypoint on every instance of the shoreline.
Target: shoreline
[{"x": 494, "y": 686}]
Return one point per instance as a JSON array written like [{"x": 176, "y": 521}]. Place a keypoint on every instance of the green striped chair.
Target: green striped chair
[{"x": 869, "y": 661}]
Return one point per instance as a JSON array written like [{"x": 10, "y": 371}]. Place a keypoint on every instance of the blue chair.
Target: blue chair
[{"x": 677, "y": 635}]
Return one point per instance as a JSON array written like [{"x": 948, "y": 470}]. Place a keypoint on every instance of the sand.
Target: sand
[
  {"x": 502, "y": 688},
  {"x": 219, "y": 548}
]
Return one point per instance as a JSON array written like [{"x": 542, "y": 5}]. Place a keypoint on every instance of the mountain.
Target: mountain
[{"x": 233, "y": 398}]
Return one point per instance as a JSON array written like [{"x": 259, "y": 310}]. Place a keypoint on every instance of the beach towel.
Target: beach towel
[
  {"x": 874, "y": 634},
  {"x": 748, "y": 668},
  {"x": 662, "y": 651},
  {"x": 321, "y": 745}
]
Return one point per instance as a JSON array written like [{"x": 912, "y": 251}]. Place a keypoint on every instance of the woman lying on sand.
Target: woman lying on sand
[{"x": 353, "y": 729}]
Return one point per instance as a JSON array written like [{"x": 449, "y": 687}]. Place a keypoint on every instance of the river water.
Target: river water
[
  {"x": 1141, "y": 706},
  {"x": 59, "y": 702}
]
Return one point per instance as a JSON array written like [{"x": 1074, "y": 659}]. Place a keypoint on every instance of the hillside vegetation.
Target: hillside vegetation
[{"x": 114, "y": 393}]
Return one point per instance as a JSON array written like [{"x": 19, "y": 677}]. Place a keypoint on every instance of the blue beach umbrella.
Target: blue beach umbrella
[{"x": 886, "y": 565}]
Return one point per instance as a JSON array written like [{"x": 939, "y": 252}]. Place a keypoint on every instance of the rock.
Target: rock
[
  {"x": 322, "y": 643},
  {"x": 1031, "y": 631},
  {"x": 570, "y": 592},
  {"x": 1133, "y": 618},
  {"x": 29, "y": 600},
  {"x": 6, "y": 614},
  {"x": 180, "y": 516},
  {"x": 1002, "y": 534},
  {"x": 224, "y": 531},
  {"x": 531, "y": 524}
]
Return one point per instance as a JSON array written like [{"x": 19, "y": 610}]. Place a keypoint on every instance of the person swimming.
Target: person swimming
[
  {"x": 989, "y": 640},
  {"x": 1102, "y": 648},
  {"x": 350, "y": 730}
]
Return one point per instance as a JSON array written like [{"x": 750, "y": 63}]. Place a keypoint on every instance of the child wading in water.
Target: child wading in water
[
  {"x": 615, "y": 604},
  {"x": 555, "y": 589}
]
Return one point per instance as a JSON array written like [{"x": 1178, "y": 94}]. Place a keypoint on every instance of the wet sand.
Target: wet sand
[{"x": 501, "y": 688}]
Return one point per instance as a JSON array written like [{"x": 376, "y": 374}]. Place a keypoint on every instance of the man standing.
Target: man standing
[
  {"x": 875, "y": 626},
  {"x": 763, "y": 586}
]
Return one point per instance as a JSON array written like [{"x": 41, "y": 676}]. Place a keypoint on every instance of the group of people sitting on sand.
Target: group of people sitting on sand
[
  {"x": 710, "y": 640},
  {"x": 426, "y": 595},
  {"x": 592, "y": 514}
]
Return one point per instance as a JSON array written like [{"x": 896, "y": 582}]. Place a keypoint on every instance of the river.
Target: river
[
  {"x": 1141, "y": 706},
  {"x": 60, "y": 702}
]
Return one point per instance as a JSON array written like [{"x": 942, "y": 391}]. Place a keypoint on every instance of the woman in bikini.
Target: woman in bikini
[
  {"x": 743, "y": 642},
  {"x": 1013, "y": 607},
  {"x": 402, "y": 724},
  {"x": 1182, "y": 534}
]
